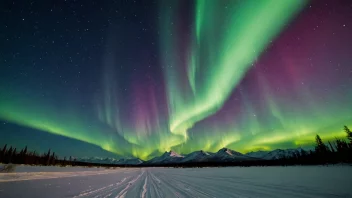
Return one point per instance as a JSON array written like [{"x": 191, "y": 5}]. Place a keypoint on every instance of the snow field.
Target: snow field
[{"x": 295, "y": 181}]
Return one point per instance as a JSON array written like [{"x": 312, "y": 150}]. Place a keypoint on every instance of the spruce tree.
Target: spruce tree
[
  {"x": 53, "y": 158},
  {"x": 9, "y": 155},
  {"x": 331, "y": 147},
  {"x": 4, "y": 149},
  {"x": 349, "y": 133},
  {"x": 25, "y": 150},
  {"x": 2, "y": 153},
  {"x": 320, "y": 146},
  {"x": 47, "y": 158}
]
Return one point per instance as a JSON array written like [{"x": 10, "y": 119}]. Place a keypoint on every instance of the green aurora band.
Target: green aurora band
[
  {"x": 204, "y": 63},
  {"x": 226, "y": 43}
]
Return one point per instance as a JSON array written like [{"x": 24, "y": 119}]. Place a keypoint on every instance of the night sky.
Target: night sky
[{"x": 138, "y": 78}]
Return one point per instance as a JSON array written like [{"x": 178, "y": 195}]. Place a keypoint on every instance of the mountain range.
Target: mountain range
[
  {"x": 223, "y": 155},
  {"x": 275, "y": 154},
  {"x": 97, "y": 160}
]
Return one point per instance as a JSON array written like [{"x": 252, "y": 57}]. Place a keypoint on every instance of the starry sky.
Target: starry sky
[{"x": 138, "y": 78}]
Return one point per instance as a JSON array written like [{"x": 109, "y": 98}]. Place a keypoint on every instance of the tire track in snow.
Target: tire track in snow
[
  {"x": 110, "y": 187},
  {"x": 93, "y": 191},
  {"x": 166, "y": 186},
  {"x": 123, "y": 195},
  {"x": 155, "y": 186},
  {"x": 169, "y": 182},
  {"x": 129, "y": 185},
  {"x": 169, "y": 188},
  {"x": 197, "y": 190},
  {"x": 182, "y": 188},
  {"x": 190, "y": 187},
  {"x": 108, "y": 195},
  {"x": 144, "y": 187},
  {"x": 243, "y": 187},
  {"x": 111, "y": 190}
]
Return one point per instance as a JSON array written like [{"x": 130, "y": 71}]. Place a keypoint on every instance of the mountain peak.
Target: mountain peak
[
  {"x": 223, "y": 150},
  {"x": 274, "y": 154},
  {"x": 174, "y": 154},
  {"x": 171, "y": 154},
  {"x": 166, "y": 158},
  {"x": 196, "y": 156},
  {"x": 229, "y": 152},
  {"x": 201, "y": 152}
]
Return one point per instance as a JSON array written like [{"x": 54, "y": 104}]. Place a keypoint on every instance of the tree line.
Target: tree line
[
  {"x": 10, "y": 155},
  {"x": 331, "y": 152},
  {"x": 339, "y": 151}
]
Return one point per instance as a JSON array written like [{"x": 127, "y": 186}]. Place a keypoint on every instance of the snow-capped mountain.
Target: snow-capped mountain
[
  {"x": 223, "y": 155},
  {"x": 196, "y": 156},
  {"x": 228, "y": 155},
  {"x": 257, "y": 154},
  {"x": 275, "y": 154},
  {"x": 167, "y": 158},
  {"x": 131, "y": 161},
  {"x": 98, "y": 160}
]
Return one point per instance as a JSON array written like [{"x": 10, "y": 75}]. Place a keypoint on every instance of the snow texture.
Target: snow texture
[{"x": 295, "y": 181}]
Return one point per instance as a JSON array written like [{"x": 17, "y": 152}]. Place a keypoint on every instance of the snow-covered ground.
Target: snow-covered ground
[
  {"x": 27, "y": 168},
  {"x": 297, "y": 181}
]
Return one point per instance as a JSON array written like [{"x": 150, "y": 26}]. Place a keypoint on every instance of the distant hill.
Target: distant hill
[
  {"x": 275, "y": 154},
  {"x": 167, "y": 158},
  {"x": 97, "y": 160},
  {"x": 197, "y": 156},
  {"x": 228, "y": 155},
  {"x": 223, "y": 155}
]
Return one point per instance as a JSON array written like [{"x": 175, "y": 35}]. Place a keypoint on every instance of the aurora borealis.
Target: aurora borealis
[{"x": 141, "y": 78}]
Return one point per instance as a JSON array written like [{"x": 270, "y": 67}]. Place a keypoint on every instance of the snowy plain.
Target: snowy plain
[
  {"x": 294, "y": 181},
  {"x": 27, "y": 168}
]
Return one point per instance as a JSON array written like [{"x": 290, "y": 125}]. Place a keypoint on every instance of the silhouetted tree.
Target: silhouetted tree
[
  {"x": 349, "y": 133},
  {"x": 25, "y": 150},
  {"x": 47, "y": 158},
  {"x": 9, "y": 155},
  {"x": 64, "y": 162},
  {"x": 52, "y": 158},
  {"x": 341, "y": 145},
  {"x": 4, "y": 149},
  {"x": 2, "y": 153},
  {"x": 320, "y": 146},
  {"x": 331, "y": 147},
  {"x": 24, "y": 156}
]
